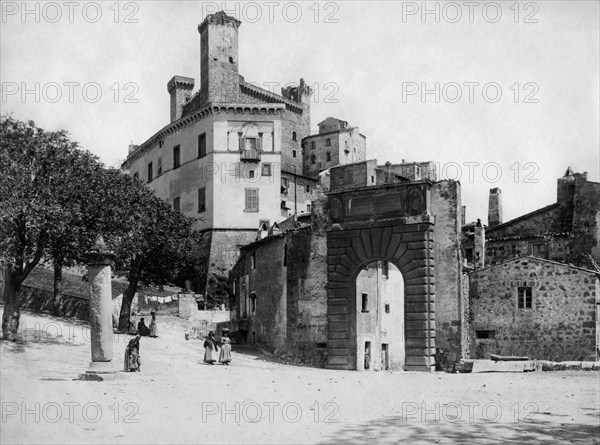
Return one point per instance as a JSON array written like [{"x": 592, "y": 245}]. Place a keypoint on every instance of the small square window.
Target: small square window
[{"x": 251, "y": 174}]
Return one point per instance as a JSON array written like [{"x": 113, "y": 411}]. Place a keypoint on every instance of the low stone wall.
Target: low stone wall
[{"x": 42, "y": 301}]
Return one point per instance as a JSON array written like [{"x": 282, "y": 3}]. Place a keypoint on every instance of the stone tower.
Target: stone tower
[
  {"x": 495, "y": 207},
  {"x": 180, "y": 88},
  {"x": 219, "y": 77}
]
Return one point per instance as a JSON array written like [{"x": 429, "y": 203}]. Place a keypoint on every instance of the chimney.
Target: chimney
[
  {"x": 180, "y": 88},
  {"x": 479, "y": 247},
  {"x": 495, "y": 207}
]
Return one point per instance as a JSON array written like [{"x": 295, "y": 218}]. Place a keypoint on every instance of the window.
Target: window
[
  {"x": 307, "y": 188},
  {"x": 294, "y": 136},
  {"x": 284, "y": 186},
  {"x": 294, "y": 153},
  {"x": 385, "y": 269},
  {"x": 176, "y": 157},
  {"x": 312, "y": 145},
  {"x": 372, "y": 179},
  {"x": 469, "y": 255},
  {"x": 308, "y": 208},
  {"x": 329, "y": 156},
  {"x": 524, "y": 297},
  {"x": 538, "y": 250},
  {"x": 387, "y": 308},
  {"x": 284, "y": 205},
  {"x": 327, "y": 142},
  {"x": 266, "y": 170},
  {"x": 250, "y": 174},
  {"x": 202, "y": 145},
  {"x": 150, "y": 172},
  {"x": 485, "y": 334},
  {"x": 285, "y": 255},
  {"x": 252, "y": 261},
  {"x": 312, "y": 159},
  {"x": 159, "y": 164},
  {"x": 176, "y": 202},
  {"x": 365, "y": 303},
  {"x": 201, "y": 200},
  {"x": 230, "y": 59},
  {"x": 136, "y": 175},
  {"x": 252, "y": 302},
  {"x": 252, "y": 200}
]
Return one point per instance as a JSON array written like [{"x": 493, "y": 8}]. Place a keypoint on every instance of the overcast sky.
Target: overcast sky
[{"x": 368, "y": 63}]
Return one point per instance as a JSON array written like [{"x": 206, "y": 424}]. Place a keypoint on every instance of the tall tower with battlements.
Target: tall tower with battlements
[{"x": 219, "y": 69}]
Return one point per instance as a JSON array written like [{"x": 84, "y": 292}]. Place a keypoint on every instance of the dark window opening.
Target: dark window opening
[
  {"x": 329, "y": 156},
  {"x": 321, "y": 345},
  {"x": 202, "y": 145},
  {"x": 294, "y": 153},
  {"x": 367, "y": 354},
  {"x": 365, "y": 303},
  {"x": 294, "y": 136},
  {"x": 312, "y": 159},
  {"x": 136, "y": 175},
  {"x": 201, "y": 200},
  {"x": 385, "y": 269},
  {"x": 176, "y": 156},
  {"x": 469, "y": 255},
  {"x": 252, "y": 302},
  {"x": 176, "y": 204},
  {"x": 485, "y": 334},
  {"x": 150, "y": 172},
  {"x": 230, "y": 59},
  {"x": 266, "y": 169},
  {"x": 327, "y": 142},
  {"x": 387, "y": 308}
]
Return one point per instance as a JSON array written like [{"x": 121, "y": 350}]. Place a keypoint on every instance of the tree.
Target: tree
[
  {"x": 34, "y": 165},
  {"x": 154, "y": 245}
]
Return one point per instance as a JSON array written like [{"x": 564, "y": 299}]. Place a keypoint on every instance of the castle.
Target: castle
[{"x": 233, "y": 155}]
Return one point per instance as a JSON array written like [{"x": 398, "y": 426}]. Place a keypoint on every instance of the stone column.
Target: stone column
[{"x": 99, "y": 275}]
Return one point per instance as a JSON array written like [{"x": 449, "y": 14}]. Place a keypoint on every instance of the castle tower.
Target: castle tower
[
  {"x": 219, "y": 78},
  {"x": 180, "y": 88},
  {"x": 495, "y": 207}
]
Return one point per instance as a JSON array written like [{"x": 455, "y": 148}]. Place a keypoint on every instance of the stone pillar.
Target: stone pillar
[{"x": 99, "y": 264}]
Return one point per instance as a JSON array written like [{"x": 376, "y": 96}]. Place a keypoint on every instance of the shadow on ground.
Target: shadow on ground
[{"x": 394, "y": 430}]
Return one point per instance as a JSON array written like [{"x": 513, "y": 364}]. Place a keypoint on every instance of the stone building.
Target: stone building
[
  {"x": 231, "y": 153},
  {"x": 534, "y": 307},
  {"x": 335, "y": 144},
  {"x": 405, "y": 294},
  {"x": 566, "y": 231}
]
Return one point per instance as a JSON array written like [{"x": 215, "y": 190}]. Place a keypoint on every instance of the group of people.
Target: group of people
[
  {"x": 211, "y": 347},
  {"x": 141, "y": 328}
]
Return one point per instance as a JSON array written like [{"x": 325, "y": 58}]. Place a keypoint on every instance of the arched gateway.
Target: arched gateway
[{"x": 391, "y": 223}]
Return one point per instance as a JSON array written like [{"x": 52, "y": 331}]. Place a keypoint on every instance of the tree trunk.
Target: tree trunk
[
  {"x": 11, "y": 314},
  {"x": 57, "y": 306},
  {"x": 126, "y": 305}
]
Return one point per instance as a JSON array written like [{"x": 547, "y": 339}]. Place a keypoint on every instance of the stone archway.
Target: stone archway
[{"x": 391, "y": 223}]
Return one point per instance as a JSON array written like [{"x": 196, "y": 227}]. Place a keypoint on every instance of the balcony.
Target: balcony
[{"x": 251, "y": 155}]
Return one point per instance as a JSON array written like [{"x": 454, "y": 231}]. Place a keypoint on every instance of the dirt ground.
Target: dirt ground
[{"x": 178, "y": 399}]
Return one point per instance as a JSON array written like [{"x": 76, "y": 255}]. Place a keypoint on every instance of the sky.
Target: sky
[{"x": 497, "y": 94}]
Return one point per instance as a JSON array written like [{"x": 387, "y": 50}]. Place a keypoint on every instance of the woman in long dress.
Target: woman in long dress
[
  {"x": 210, "y": 348},
  {"x": 153, "y": 327},
  {"x": 225, "y": 355},
  {"x": 132, "y": 355}
]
